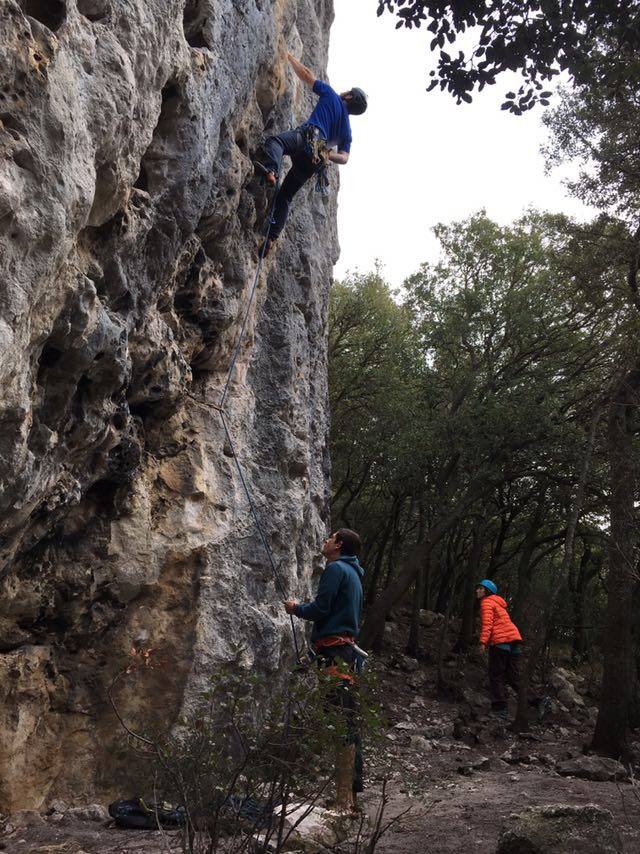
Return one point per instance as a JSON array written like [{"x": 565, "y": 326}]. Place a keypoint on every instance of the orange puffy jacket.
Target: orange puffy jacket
[{"x": 496, "y": 623}]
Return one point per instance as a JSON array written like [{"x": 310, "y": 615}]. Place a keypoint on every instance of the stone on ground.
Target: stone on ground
[
  {"x": 560, "y": 829},
  {"x": 597, "y": 768}
]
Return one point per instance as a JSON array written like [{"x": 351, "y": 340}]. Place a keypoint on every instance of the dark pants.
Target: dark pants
[
  {"x": 291, "y": 143},
  {"x": 504, "y": 670},
  {"x": 343, "y": 697}
]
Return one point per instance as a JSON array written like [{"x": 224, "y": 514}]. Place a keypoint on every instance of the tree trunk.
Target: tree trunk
[
  {"x": 574, "y": 516},
  {"x": 413, "y": 644},
  {"x": 521, "y": 603},
  {"x": 610, "y": 736},
  {"x": 578, "y": 589},
  {"x": 496, "y": 551},
  {"x": 442, "y": 643},
  {"x": 417, "y": 557},
  {"x": 377, "y": 567},
  {"x": 634, "y": 701},
  {"x": 465, "y": 638}
]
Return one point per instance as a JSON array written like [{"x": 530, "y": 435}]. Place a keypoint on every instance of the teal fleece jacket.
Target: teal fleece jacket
[{"x": 338, "y": 603}]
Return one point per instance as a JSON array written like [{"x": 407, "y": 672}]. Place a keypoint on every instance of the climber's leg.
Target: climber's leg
[
  {"x": 296, "y": 178},
  {"x": 275, "y": 148}
]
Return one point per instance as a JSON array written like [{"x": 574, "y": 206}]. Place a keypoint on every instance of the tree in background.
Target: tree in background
[
  {"x": 535, "y": 38},
  {"x": 511, "y": 367},
  {"x": 596, "y": 125},
  {"x": 376, "y": 387}
]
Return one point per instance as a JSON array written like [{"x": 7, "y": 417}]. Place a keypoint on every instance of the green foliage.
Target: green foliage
[
  {"x": 470, "y": 395},
  {"x": 375, "y": 389},
  {"x": 537, "y": 38},
  {"x": 248, "y": 752},
  {"x": 596, "y": 126}
]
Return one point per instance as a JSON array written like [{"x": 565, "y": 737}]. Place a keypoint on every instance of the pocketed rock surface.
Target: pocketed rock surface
[{"x": 129, "y": 221}]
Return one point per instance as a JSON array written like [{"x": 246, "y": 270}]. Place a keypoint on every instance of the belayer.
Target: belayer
[
  {"x": 335, "y": 614},
  {"x": 324, "y": 137}
]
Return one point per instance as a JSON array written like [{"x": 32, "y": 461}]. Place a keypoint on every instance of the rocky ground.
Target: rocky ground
[
  {"x": 462, "y": 775},
  {"x": 469, "y": 773}
]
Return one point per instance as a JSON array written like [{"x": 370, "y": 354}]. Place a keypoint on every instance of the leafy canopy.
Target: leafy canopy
[{"x": 536, "y": 38}]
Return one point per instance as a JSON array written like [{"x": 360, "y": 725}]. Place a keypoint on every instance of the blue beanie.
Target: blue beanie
[{"x": 488, "y": 585}]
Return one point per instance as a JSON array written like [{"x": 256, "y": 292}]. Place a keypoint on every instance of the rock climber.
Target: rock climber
[
  {"x": 324, "y": 137},
  {"x": 335, "y": 614},
  {"x": 501, "y": 637}
]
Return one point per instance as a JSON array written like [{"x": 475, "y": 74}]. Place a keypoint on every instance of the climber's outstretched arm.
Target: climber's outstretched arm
[{"x": 301, "y": 71}]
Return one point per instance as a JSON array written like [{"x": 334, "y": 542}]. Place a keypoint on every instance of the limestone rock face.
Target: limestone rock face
[{"x": 129, "y": 221}]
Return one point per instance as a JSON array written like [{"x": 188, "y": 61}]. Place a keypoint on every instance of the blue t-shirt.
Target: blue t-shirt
[{"x": 331, "y": 117}]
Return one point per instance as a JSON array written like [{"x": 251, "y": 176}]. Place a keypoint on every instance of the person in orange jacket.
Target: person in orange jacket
[{"x": 504, "y": 642}]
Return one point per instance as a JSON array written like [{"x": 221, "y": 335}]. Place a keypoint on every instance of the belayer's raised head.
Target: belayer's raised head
[
  {"x": 343, "y": 543},
  {"x": 355, "y": 101}
]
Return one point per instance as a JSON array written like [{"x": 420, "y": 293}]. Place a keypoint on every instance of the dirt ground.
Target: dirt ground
[{"x": 459, "y": 771}]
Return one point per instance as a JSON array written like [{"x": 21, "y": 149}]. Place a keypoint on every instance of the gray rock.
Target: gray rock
[
  {"x": 558, "y": 678},
  {"x": 57, "y": 805},
  {"x": 92, "y": 812},
  {"x": 26, "y": 818},
  {"x": 430, "y": 618},
  {"x": 129, "y": 220},
  {"x": 408, "y": 664},
  {"x": 437, "y": 730},
  {"x": 560, "y": 829},
  {"x": 419, "y": 742},
  {"x": 417, "y": 680},
  {"x": 474, "y": 698},
  {"x": 598, "y": 768},
  {"x": 569, "y": 698}
]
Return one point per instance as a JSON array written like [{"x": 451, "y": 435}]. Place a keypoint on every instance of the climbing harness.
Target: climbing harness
[
  {"x": 315, "y": 147},
  {"x": 225, "y": 425},
  {"x": 324, "y": 653}
]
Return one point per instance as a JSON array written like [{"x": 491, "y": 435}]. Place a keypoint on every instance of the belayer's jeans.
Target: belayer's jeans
[
  {"x": 344, "y": 699},
  {"x": 291, "y": 143}
]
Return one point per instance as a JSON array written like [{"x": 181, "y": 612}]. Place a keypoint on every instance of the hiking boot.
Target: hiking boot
[{"x": 266, "y": 174}]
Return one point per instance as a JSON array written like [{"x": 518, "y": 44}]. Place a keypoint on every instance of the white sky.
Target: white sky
[{"x": 418, "y": 159}]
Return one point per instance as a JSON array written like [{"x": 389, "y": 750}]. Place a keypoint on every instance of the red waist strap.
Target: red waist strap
[{"x": 334, "y": 640}]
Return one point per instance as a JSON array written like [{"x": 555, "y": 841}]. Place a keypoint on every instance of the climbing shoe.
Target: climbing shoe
[{"x": 267, "y": 175}]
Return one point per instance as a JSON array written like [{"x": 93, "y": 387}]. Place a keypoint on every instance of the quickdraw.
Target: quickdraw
[{"x": 318, "y": 153}]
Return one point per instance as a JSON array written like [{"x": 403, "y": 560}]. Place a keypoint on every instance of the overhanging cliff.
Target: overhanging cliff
[{"x": 129, "y": 221}]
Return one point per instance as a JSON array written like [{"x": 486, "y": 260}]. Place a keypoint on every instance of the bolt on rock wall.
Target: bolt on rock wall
[{"x": 129, "y": 221}]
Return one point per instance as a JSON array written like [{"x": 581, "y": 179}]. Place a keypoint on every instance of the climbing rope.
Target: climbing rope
[
  {"x": 236, "y": 349},
  {"x": 223, "y": 418}
]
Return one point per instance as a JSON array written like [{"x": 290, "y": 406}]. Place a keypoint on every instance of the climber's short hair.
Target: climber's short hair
[{"x": 350, "y": 543}]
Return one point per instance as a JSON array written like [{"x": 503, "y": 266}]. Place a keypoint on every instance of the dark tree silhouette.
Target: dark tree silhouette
[{"x": 537, "y": 38}]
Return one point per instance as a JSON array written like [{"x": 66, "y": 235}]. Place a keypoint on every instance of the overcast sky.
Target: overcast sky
[{"x": 418, "y": 159}]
